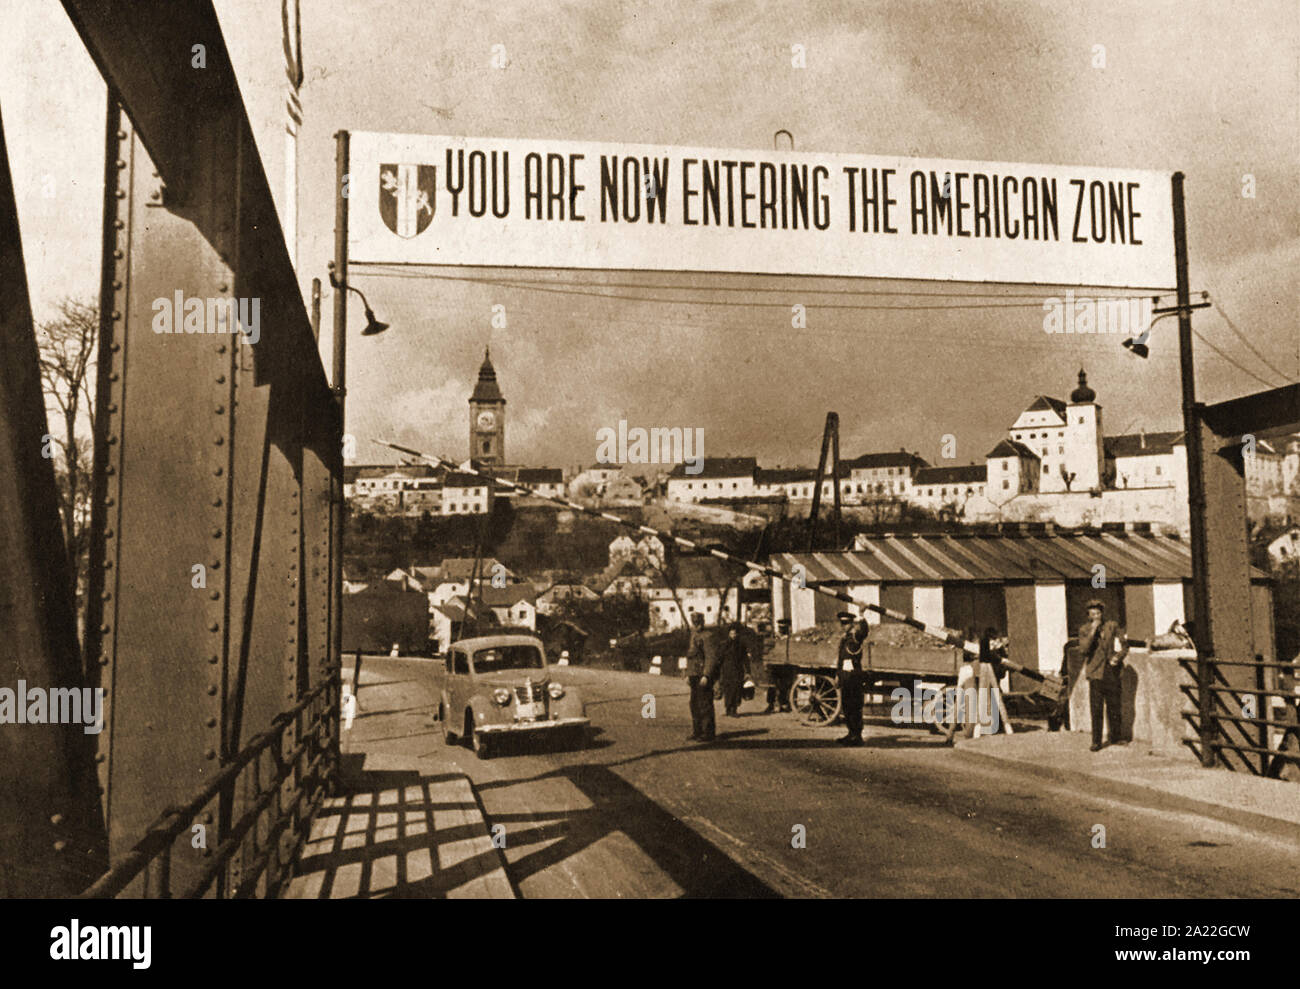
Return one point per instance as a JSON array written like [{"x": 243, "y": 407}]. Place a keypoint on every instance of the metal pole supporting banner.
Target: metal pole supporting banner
[
  {"x": 1202, "y": 634},
  {"x": 339, "y": 382}
]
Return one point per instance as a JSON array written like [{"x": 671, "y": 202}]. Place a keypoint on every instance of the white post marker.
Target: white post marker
[
  {"x": 564, "y": 658},
  {"x": 655, "y": 668}
]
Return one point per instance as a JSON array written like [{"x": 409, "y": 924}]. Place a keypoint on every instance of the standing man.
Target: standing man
[
  {"x": 701, "y": 670},
  {"x": 1103, "y": 646},
  {"x": 850, "y": 675},
  {"x": 734, "y": 669}
]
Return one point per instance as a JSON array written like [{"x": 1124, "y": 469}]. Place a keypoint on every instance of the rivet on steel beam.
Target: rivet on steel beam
[
  {"x": 117, "y": 284},
  {"x": 60, "y": 845},
  {"x": 108, "y": 564},
  {"x": 212, "y": 722},
  {"x": 107, "y": 595},
  {"x": 210, "y": 754},
  {"x": 56, "y": 819},
  {"x": 112, "y": 406},
  {"x": 219, "y": 440},
  {"x": 109, "y": 502},
  {"x": 221, "y": 348},
  {"x": 117, "y": 314},
  {"x": 104, "y": 629},
  {"x": 216, "y": 471},
  {"x": 118, "y": 253},
  {"x": 212, "y": 690},
  {"x": 121, "y": 135},
  {"x": 214, "y": 659},
  {"x": 120, "y": 225},
  {"x": 221, "y": 379},
  {"x": 223, "y": 287},
  {"x": 99, "y": 757},
  {"x": 216, "y": 502},
  {"x": 115, "y": 376},
  {"x": 108, "y": 533},
  {"x": 121, "y": 194},
  {"x": 110, "y": 470},
  {"x": 112, "y": 440},
  {"x": 121, "y": 163},
  {"x": 214, "y": 627},
  {"x": 220, "y": 410},
  {"x": 114, "y": 347},
  {"x": 103, "y": 661},
  {"x": 214, "y": 565},
  {"x": 207, "y": 818},
  {"x": 216, "y": 595}
]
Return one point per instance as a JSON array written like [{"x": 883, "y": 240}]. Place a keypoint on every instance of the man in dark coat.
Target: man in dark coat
[
  {"x": 702, "y": 664},
  {"x": 850, "y": 667},
  {"x": 735, "y": 668},
  {"x": 1103, "y": 646}
]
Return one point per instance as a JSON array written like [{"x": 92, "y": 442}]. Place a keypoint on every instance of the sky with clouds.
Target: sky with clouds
[{"x": 1211, "y": 89}]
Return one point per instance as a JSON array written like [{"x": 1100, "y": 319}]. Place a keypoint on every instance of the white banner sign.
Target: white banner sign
[{"x": 417, "y": 199}]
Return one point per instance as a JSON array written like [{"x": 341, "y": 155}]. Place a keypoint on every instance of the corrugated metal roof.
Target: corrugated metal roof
[{"x": 936, "y": 558}]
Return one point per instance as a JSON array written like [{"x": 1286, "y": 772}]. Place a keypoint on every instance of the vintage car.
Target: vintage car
[{"x": 499, "y": 686}]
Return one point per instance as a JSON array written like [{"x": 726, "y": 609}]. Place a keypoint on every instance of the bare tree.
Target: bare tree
[{"x": 67, "y": 359}]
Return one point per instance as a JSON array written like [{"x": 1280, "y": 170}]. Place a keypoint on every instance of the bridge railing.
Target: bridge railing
[{"x": 257, "y": 855}]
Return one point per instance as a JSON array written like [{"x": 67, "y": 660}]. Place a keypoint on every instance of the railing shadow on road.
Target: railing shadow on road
[
  {"x": 396, "y": 834},
  {"x": 396, "y": 710},
  {"x": 695, "y": 865}
]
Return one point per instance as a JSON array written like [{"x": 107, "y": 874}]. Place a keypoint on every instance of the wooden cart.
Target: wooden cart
[{"x": 807, "y": 670}]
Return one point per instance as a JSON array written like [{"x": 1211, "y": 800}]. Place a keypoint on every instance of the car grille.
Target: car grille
[{"x": 521, "y": 693}]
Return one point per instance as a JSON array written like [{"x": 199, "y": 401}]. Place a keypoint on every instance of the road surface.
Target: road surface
[{"x": 775, "y": 808}]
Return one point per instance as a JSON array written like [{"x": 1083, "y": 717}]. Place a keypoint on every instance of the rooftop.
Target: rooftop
[
  {"x": 970, "y": 474},
  {"x": 719, "y": 467},
  {"x": 1039, "y": 552}
]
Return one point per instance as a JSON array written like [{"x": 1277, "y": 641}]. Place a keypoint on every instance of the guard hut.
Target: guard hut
[{"x": 1031, "y": 579}]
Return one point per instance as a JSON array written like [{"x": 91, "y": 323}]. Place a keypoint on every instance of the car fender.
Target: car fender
[
  {"x": 485, "y": 710},
  {"x": 571, "y": 704}
]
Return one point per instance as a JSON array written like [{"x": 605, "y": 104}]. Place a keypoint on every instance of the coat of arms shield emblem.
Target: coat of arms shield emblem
[{"x": 407, "y": 197}]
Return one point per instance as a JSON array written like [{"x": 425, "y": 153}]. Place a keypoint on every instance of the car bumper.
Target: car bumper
[{"x": 526, "y": 727}]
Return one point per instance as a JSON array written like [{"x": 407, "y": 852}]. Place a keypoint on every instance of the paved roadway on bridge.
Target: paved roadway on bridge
[{"x": 643, "y": 812}]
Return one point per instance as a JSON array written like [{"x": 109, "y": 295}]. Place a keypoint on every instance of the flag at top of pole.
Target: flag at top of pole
[{"x": 290, "y": 19}]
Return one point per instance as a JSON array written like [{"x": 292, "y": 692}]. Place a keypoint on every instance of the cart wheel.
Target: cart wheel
[
  {"x": 816, "y": 697},
  {"x": 939, "y": 716}
]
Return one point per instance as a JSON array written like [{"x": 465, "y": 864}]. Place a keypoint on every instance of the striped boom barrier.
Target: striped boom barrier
[{"x": 948, "y": 636}]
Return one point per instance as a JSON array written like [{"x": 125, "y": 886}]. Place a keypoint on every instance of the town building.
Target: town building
[
  {"x": 717, "y": 478},
  {"x": 699, "y": 584}
]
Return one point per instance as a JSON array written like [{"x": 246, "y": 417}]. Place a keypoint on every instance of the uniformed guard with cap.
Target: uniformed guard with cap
[{"x": 852, "y": 644}]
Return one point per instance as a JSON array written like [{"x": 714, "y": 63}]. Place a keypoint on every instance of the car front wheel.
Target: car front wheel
[{"x": 480, "y": 745}]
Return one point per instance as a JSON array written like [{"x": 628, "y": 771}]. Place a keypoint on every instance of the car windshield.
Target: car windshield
[{"x": 508, "y": 658}]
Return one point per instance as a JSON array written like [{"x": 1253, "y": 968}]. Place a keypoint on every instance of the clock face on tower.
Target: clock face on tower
[{"x": 486, "y": 420}]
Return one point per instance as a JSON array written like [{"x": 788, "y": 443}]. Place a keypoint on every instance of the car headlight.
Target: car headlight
[
  {"x": 501, "y": 696},
  {"x": 556, "y": 690}
]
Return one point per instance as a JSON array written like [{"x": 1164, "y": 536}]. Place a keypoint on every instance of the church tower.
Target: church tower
[
  {"x": 487, "y": 416},
  {"x": 1084, "y": 449}
]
